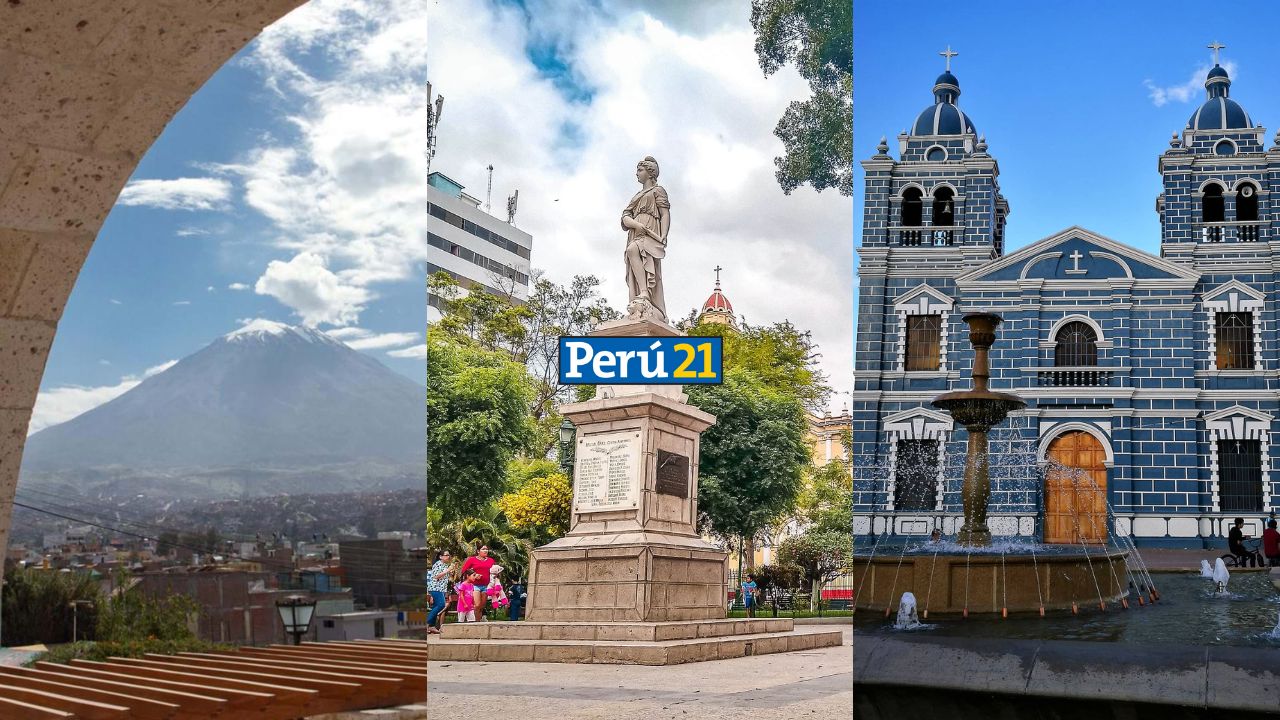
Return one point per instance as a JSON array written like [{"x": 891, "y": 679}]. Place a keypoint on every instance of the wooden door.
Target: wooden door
[{"x": 1075, "y": 493}]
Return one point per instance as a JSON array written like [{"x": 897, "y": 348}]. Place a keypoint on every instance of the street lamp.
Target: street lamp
[
  {"x": 295, "y": 614},
  {"x": 75, "y": 616},
  {"x": 567, "y": 433}
]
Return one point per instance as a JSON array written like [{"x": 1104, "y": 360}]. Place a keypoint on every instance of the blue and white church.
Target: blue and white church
[{"x": 1152, "y": 383}]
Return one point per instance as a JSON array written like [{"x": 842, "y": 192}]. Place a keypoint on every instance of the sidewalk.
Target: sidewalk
[{"x": 787, "y": 686}]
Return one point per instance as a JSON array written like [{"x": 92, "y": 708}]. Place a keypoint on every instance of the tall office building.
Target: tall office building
[{"x": 476, "y": 248}]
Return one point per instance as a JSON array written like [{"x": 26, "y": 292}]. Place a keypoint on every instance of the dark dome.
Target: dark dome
[
  {"x": 1219, "y": 111},
  {"x": 943, "y": 117},
  {"x": 947, "y": 78}
]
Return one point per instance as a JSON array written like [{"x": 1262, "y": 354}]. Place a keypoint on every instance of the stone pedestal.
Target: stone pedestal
[
  {"x": 633, "y": 581},
  {"x": 633, "y": 552}
]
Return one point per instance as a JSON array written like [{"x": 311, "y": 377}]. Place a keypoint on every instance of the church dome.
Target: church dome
[
  {"x": 717, "y": 302},
  {"x": 717, "y": 309},
  {"x": 1219, "y": 112},
  {"x": 943, "y": 117}
]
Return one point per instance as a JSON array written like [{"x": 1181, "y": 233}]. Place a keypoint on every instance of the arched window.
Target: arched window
[
  {"x": 912, "y": 207},
  {"x": 1224, "y": 147},
  {"x": 1077, "y": 346},
  {"x": 944, "y": 207},
  {"x": 1212, "y": 208},
  {"x": 1246, "y": 202},
  {"x": 935, "y": 154}
]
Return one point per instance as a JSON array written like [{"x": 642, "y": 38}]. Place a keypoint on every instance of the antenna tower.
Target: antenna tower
[
  {"x": 433, "y": 122},
  {"x": 488, "y": 195},
  {"x": 511, "y": 207}
]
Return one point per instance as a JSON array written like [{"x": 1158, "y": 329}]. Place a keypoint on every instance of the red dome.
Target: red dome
[{"x": 717, "y": 302}]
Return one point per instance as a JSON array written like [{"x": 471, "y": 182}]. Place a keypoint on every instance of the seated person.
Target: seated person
[
  {"x": 1235, "y": 544},
  {"x": 1271, "y": 544}
]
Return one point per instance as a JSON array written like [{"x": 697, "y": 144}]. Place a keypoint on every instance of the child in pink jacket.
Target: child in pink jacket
[{"x": 466, "y": 601}]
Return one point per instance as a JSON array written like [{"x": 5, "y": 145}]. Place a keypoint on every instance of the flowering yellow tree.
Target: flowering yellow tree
[{"x": 541, "y": 503}]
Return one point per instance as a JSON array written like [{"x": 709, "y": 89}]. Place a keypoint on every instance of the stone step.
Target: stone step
[
  {"x": 615, "y": 631},
  {"x": 668, "y": 652}
]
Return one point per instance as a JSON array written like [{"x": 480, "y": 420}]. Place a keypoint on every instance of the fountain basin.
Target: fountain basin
[{"x": 992, "y": 583}]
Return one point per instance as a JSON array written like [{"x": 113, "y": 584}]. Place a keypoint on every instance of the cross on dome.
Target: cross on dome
[
  {"x": 1216, "y": 47},
  {"x": 948, "y": 54},
  {"x": 718, "y": 269}
]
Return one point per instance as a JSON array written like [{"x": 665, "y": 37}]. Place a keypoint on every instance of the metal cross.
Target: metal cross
[
  {"x": 1216, "y": 46},
  {"x": 948, "y": 54},
  {"x": 718, "y": 269},
  {"x": 1075, "y": 259}
]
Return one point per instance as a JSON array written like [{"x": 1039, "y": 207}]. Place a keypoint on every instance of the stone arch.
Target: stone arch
[
  {"x": 1052, "y": 433},
  {"x": 90, "y": 87}
]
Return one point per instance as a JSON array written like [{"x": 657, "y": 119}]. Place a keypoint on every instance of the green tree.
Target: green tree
[
  {"x": 133, "y": 616},
  {"x": 38, "y": 606},
  {"x": 752, "y": 459},
  {"x": 817, "y": 37},
  {"x": 526, "y": 331},
  {"x": 826, "y": 502},
  {"x": 541, "y": 504},
  {"x": 463, "y": 536},
  {"x": 477, "y": 421},
  {"x": 780, "y": 355},
  {"x": 822, "y": 554}
]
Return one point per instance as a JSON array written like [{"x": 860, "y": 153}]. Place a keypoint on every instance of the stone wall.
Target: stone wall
[{"x": 87, "y": 87}]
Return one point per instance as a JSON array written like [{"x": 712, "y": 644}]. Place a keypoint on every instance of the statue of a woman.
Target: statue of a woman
[{"x": 647, "y": 219}]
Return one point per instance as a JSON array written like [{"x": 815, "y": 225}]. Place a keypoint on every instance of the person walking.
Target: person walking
[
  {"x": 1271, "y": 544},
  {"x": 437, "y": 587},
  {"x": 480, "y": 563}
]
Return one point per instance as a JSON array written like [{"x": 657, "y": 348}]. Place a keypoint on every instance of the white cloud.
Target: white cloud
[
  {"x": 384, "y": 340},
  {"x": 60, "y": 404},
  {"x": 1192, "y": 89},
  {"x": 349, "y": 185},
  {"x": 182, "y": 302},
  {"x": 683, "y": 87},
  {"x": 361, "y": 339},
  {"x": 191, "y": 232},
  {"x": 315, "y": 294},
  {"x": 237, "y": 286},
  {"x": 114, "y": 301},
  {"x": 416, "y": 352},
  {"x": 179, "y": 194},
  {"x": 210, "y": 289}
]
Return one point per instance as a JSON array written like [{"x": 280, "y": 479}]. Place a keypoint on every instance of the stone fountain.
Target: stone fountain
[
  {"x": 969, "y": 575},
  {"x": 978, "y": 410}
]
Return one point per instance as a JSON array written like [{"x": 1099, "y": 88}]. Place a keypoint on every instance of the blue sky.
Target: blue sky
[
  {"x": 1066, "y": 94},
  {"x": 289, "y": 188}
]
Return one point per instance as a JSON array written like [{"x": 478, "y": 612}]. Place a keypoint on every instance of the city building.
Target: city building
[
  {"x": 382, "y": 573},
  {"x": 476, "y": 248},
  {"x": 1152, "y": 382}
]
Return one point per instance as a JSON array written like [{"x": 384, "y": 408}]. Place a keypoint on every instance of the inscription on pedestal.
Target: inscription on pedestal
[
  {"x": 607, "y": 472},
  {"x": 673, "y": 474}
]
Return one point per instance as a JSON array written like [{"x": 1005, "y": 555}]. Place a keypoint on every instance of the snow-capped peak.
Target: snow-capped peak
[{"x": 260, "y": 329}]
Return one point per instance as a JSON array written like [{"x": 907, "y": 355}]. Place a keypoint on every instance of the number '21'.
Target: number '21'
[{"x": 690, "y": 354}]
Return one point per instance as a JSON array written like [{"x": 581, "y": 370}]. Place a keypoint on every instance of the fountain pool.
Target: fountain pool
[{"x": 1189, "y": 613}]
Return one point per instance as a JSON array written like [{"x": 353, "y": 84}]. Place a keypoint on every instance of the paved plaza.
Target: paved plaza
[{"x": 809, "y": 684}]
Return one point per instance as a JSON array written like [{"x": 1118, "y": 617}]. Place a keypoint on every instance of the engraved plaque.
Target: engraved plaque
[
  {"x": 607, "y": 472},
  {"x": 673, "y": 474}
]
